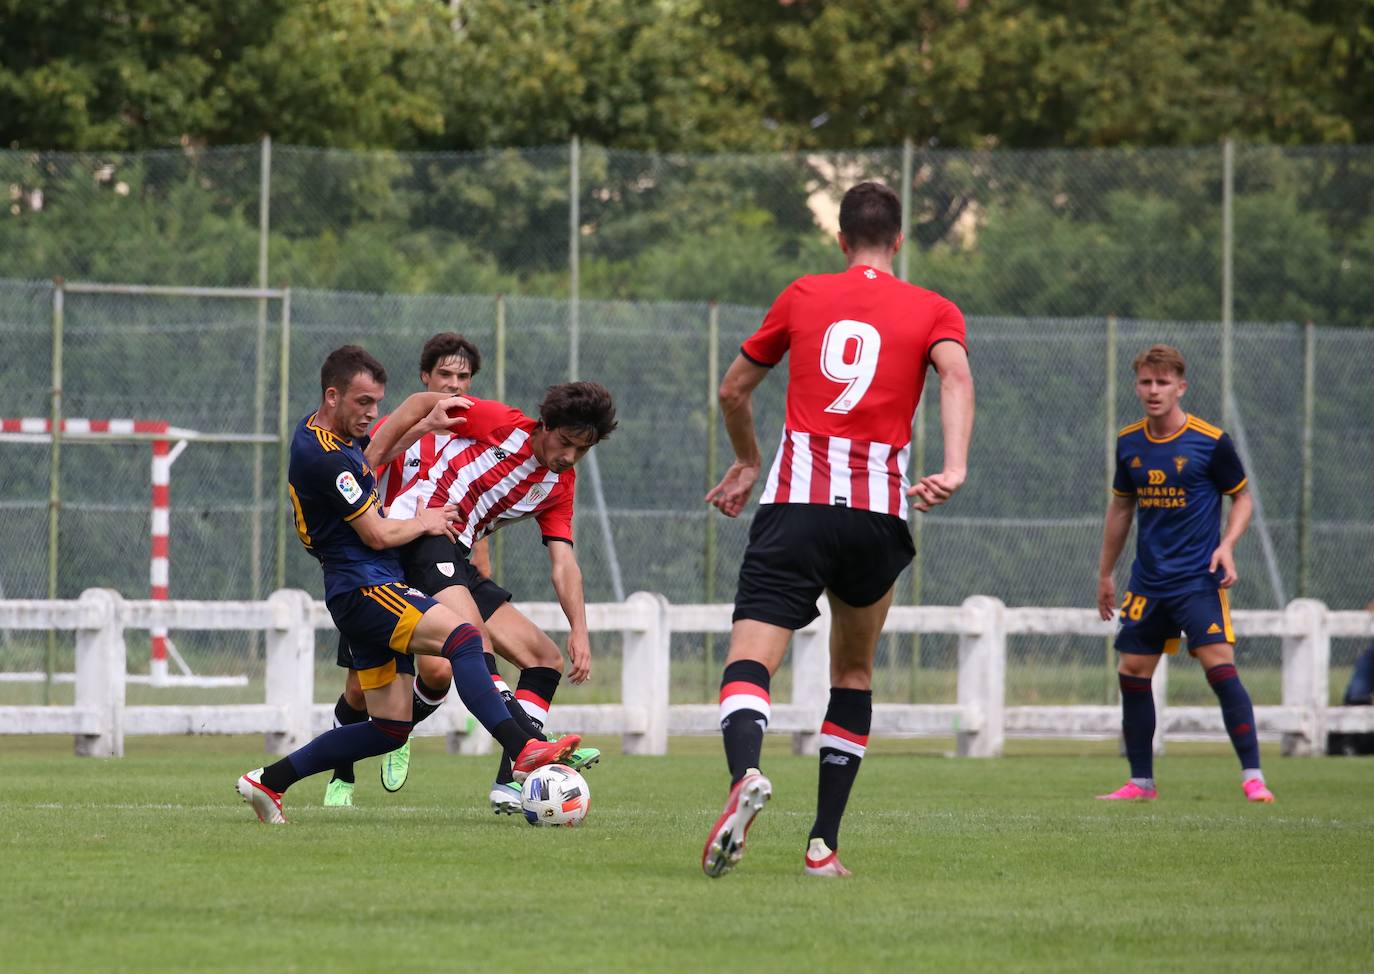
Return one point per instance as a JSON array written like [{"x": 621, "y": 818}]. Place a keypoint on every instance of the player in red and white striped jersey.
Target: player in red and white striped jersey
[
  {"x": 448, "y": 363},
  {"x": 832, "y": 517},
  {"x": 501, "y": 466}
]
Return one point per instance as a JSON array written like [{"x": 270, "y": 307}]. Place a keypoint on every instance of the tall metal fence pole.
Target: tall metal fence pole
[
  {"x": 260, "y": 390},
  {"x": 918, "y": 430},
  {"x": 283, "y": 434},
  {"x": 574, "y": 257},
  {"x": 1309, "y": 410},
  {"x": 908, "y": 171},
  {"x": 54, "y": 476},
  {"x": 1228, "y": 195},
  {"x": 498, "y": 541},
  {"x": 708, "y": 555},
  {"x": 1109, "y": 468}
]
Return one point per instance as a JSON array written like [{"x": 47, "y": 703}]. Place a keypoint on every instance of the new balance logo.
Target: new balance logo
[
  {"x": 413, "y": 462},
  {"x": 841, "y": 759},
  {"x": 1213, "y": 629}
]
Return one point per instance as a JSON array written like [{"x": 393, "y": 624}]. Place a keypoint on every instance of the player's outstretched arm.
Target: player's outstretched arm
[
  {"x": 737, "y": 408},
  {"x": 1116, "y": 528},
  {"x": 567, "y": 583},
  {"x": 956, "y": 422},
  {"x": 380, "y": 532},
  {"x": 1242, "y": 506},
  {"x": 421, "y": 413}
]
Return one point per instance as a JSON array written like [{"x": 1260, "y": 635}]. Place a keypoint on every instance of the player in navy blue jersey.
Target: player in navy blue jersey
[
  {"x": 1172, "y": 470},
  {"x": 332, "y": 485}
]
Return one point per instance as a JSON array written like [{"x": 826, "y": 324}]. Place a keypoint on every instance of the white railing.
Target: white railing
[{"x": 979, "y": 720}]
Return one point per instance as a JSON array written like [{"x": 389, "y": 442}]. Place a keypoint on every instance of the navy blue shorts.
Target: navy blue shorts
[
  {"x": 797, "y": 551},
  {"x": 377, "y": 623},
  {"x": 433, "y": 564},
  {"x": 1151, "y": 624}
]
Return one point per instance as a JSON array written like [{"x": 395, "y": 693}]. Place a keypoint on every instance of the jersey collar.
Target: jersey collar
[
  {"x": 347, "y": 440},
  {"x": 1187, "y": 420}
]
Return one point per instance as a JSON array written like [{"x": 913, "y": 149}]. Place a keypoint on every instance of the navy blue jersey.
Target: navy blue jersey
[
  {"x": 331, "y": 484},
  {"x": 1177, "y": 483}
]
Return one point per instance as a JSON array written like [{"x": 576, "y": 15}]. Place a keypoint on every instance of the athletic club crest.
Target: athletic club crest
[{"x": 536, "y": 494}]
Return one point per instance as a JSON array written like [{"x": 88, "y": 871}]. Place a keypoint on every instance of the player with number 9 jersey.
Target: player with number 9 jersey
[
  {"x": 859, "y": 344},
  {"x": 832, "y": 516}
]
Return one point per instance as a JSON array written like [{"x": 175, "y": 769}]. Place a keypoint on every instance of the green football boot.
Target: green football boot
[
  {"x": 338, "y": 794},
  {"x": 583, "y": 758},
  {"x": 396, "y": 768}
]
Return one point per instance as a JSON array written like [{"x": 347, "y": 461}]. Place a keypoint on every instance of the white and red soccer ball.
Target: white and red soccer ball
[{"x": 555, "y": 795}]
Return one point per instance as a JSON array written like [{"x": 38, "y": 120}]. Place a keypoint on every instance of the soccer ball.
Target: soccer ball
[{"x": 555, "y": 795}]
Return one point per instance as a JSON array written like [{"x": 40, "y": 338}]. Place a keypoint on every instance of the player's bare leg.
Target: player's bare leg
[
  {"x": 756, "y": 651},
  {"x": 854, "y": 632},
  {"x": 519, "y": 641}
]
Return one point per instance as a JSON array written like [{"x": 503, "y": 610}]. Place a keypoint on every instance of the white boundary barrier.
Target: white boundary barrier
[{"x": 979, "y": 720}]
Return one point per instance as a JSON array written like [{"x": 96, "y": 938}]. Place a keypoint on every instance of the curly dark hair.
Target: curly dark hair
[
  {"x": 447, "y": 343},
  {"x": 870, "y": 216},
  {"x": 582, "y": 406},
  {"x": 342, "y": 364}
]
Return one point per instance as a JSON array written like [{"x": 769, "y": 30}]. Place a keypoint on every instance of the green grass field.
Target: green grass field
[{"x": 152, "y": 863}]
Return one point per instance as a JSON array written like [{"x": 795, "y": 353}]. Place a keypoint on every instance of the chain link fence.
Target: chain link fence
[{"x": 1067, "y": 264}]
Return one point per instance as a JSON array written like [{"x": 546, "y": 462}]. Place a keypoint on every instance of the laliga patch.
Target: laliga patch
[
  {"x": 445, "y": 568},
  {"x": 348, "y": 487}
]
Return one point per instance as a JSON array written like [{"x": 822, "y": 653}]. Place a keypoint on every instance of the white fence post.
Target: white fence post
[
  {"x": 644, "y": 674},
  {"x": 290, "y": 670},
  {"x": 1306, "y": 674},
  {"x": 811, "y": 679},
  {"x": 101, "y": 667},
  {"x": 983, "y": 676}
]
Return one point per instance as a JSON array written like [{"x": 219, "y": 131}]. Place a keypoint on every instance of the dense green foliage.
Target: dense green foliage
[
  {"x": 150, "y": 862},
  {"x": 683, "y": 75}
]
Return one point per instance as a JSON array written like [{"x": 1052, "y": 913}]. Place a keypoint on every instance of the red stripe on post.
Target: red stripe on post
[
  {"x": 159, "y": 591},
  {"x": 159, "y": 546},
  {"x": 161, "y": 495},
  {"x": 160, "y": 647}
]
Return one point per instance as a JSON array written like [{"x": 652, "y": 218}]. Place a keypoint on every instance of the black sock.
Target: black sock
[
  {"x": 1138, "y": 724},
  {"x": 745, "y": 707},
  {"x": 844, "y": 738},
  {"x": 344, "y": 714},
  {"x": 511, "y": 736},
  {"x": 426, "y": 699},
  {"x": 530, "y": 707}
]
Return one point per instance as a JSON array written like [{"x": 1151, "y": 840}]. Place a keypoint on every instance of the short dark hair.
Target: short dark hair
[
  {"x": 581, "y": 406},
  {"x": 870, "y": 216},
  {"x": 447, "y": 343},
  {"x": 342, "y": 364}
]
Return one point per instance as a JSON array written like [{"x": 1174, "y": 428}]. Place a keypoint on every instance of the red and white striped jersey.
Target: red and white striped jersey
[
  {"x": 489, "y": 471},
  {"x": 404, "y": 470},
  {"x": 859, "y": 345}
]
